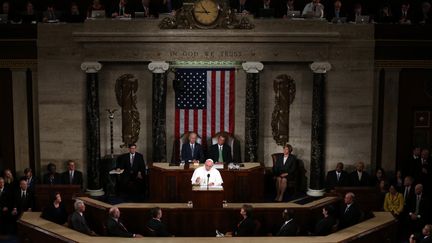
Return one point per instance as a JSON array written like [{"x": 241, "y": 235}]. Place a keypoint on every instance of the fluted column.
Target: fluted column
[
  {"x": 92, "y": 124},
  {"x": 159, "y": 109},
  {"x": 252, "y": 70},
  {"x": 317, "y": 164}
]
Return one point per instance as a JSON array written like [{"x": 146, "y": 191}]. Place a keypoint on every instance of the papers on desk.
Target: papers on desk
[
  {"x": 116, "y": 172},
  {"x": 218, "y": 166},
  {"x": 205, "y": 187}
]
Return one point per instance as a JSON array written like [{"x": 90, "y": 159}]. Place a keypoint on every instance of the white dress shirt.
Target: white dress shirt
[
  {"x": 201, "y": 172},
  {"x": 317, "y": 11}
]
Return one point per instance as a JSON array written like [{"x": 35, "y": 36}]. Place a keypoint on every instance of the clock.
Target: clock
[{"x": 206, "y": 12}]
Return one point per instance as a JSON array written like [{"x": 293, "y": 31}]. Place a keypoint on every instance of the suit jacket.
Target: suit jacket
[
  {"x": 332, "y": 14},
  {"x": 248, "y": 6},
  {"x": 289, "y": 229},
  {"x": 214, "y": 153},
  {"x": 116, "y": 9},
  {"x": 46, "y": 179},
  {"x": 426, "y": 240},
  {"x": 5, "y": 199},
  {"x": 115, "y": 228},
  {"x": 158, "y": 227},
  {"x": 31, "y": 183},
  {"x": 409, "y": 196},
  {"x": 325, "y": 226},
  {"x": 186, "y": 152},
  {"x": 23, "y": 204},
  {"x": 332, "y": 181},
  {"x": 152, "y": 9},
  {"x": 289, "y": 167},
  {"x": 423, "y": 207},
  {"x": 350, "y": 216},
  {"x": 56, "y": 215},
  {"x": 365, "y": 179},
  {"x": 131, "y": 172},
  {"x": 79, "y": 223},
  {"x": 76, "y": 180},
  {"x": 246, "y": 227}
]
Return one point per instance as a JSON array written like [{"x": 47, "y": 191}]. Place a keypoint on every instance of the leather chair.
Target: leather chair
[
  {"x": 232, "y": 142},
  {"x": 176, "y": 155},
  {"x": 298, "y": 181}
]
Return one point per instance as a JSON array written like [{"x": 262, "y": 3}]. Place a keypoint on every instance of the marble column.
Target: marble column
[
  {"x": 92, "y": 126},
  {"x": 159, "y": 110},
  {"x": 252, "y": 70},
  {"x": 317, "y": 164}
]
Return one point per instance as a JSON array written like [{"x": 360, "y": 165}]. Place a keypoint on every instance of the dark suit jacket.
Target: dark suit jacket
[
  {"x": 332, "y": 14},
  {"x": 354, "y": 180},
  {"x": 77, "y": 178},
  {"x": 332, "y": 181},
  {"x": 130, "y": 173},
  {"x": 289, "y": 229},
  {"x": 114, "y": 228},
  {"x": 246, "y": 227},
  {"x": 214, "y": 153},
  {"x": 289, "y": 167},
  {"x": 5, "y": 199},
  {"x": 423, "y": 207},
  {"x": 23, "y": 204},
  {"x": 116, "y": 9},
  {"x": 46, "y": 179},
  {"x": 426, "y": 240},
  {"x": 349, "y": 217},
  {"x": 153, "y": 9},
  {"x": 158, "y": 227},
  {"x": 411, "y": 193},
  {"x": 248, "y": 6},
  {"x": 186, "y": 153},
  {"x": 56, "y": 215},
  {"x": 30, "y": 184},
  {"x": 325, "y": 226},
  {"x": 79, "y": 223}
]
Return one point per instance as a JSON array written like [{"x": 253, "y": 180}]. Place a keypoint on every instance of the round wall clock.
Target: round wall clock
[{"x": 206, "y": 12}]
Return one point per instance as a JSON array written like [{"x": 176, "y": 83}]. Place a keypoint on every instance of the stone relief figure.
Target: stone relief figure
[
  {"x": 285, "y": 89},
  {"x": 125, "y": 89}
]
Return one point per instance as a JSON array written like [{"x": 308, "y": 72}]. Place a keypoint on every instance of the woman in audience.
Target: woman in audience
[
  {"x": 247, "y": 226},
  {"x": 9, "y": 180},
  {"x": 30, "y": 15},
  {"x": 96, "y": 6},
  {"x": 55, "y": 211},
  {"x": 394, "y": 201},
  {"x": 379, "y": 176},
  {"x": 284, "y": 167},
  {"x": 398, "y": 181},
  {"x": 326, "y": 224}
]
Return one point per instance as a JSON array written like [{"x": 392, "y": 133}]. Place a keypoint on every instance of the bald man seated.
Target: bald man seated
[{"x": 115, "y": 227}]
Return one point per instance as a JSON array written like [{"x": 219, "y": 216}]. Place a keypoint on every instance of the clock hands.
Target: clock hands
[{"x": 205, "y": 10}]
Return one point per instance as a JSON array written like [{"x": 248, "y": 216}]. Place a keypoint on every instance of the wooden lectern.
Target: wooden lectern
[{"x": 207, "y": 197}]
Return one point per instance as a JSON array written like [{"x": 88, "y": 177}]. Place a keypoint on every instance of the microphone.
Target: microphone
[{"x": 208, "y": 180}]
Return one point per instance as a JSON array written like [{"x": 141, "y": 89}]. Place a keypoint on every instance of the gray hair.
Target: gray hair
[
  {"x": 77, "y": 204},
  {"x": 112, "y": 210}
]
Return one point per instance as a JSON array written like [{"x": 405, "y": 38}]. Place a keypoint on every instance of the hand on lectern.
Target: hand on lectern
[
  {"x": 211, "y": 184},
  {"x": 198, "y": 180}
]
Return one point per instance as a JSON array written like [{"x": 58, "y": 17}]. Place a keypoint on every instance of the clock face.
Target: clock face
[{"x": 206, "y": 12}]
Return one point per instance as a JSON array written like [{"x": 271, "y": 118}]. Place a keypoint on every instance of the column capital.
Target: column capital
[
  {"x": 252, "y": 67},
  {"x": 91, "y": 67},
  {"x": 158, "y": 67},
  {"x": 320, "y": 67}
]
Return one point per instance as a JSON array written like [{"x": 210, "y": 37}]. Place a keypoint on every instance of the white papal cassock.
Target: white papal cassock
[{"x": 201, "y": 172}]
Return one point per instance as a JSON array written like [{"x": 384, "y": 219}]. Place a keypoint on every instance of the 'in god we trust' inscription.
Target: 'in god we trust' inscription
[{"x": 206, "y": 54}]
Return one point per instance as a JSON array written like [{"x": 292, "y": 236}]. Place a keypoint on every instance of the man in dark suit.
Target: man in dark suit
[
  {"x": 425, "y": 170},
  {"x": 5, "y": 205},
  {"x": 148, "y": 7},
  {"x": 351, "y": 213},
  {"x": 115, "y": 227},
  {"x": 242, "y": 6},
  {"x": 404, "y": 15},
  {"x": 359, "y": 177},
  {"x": 23, "y": 200},
  {"x": 418, "y": 212},
  {"x": 134, "y": 166},
  {"x": 412, "y": 164},
  {"x": 155, "y": 224},
  {"x": 337, "y": 177},
  {"x": 426, "y": 231},
  {"x": 220, "y": 152},
  {"x": 51, "y": 177},
  {"x": 192, "y": 151},
  {"x": 325, "y": 225},
  {"x": 78, "y": 221},
  {"x": 121, "y": 9},
  {"x": 289, "y": 227},
  {"x": 408, "y": 189},
  {"x": 336, "y": 12},
  {"x": 30, "y": 179},
  {"x": 72, "y": 176}
]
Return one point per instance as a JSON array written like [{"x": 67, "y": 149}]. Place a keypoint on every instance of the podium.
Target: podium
[{"x": 207, "y": 197}]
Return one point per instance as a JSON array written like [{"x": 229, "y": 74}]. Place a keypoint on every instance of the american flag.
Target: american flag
[{"x": 205, "y": 104}]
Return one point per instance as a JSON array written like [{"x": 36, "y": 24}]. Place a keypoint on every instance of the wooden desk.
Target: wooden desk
[
  {"x": 207, "y": 197},
  {"x": 172, "y": 183}
]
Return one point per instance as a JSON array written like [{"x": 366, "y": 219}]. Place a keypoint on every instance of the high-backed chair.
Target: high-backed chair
[
  {"x": 178, "y": 143},
  {"x": 232, "y": 142},
  {"x": 296, "y": 182}
]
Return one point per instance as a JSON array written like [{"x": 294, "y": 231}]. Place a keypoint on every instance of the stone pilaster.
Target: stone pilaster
[
  {"x": 317, "y": 164},
  {"x": 159, "y": 109},
  {"x": 252, "y": 70}
]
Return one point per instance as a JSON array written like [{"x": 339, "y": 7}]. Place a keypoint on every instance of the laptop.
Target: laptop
[
  {"x": 3, "y": 18},
  {"x": 293, "y": 14},
  {"x": 266, "y": 12},
  {"x": 362, "y": 19},
  {"x": 341, "y": 20},
  {"x": 98, "y": 14}
]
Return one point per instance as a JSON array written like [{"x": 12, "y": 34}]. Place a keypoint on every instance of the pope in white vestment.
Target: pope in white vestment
[{"x": 200, "y": 175}]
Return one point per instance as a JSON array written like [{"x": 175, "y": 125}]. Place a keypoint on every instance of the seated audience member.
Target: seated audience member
[
  {"x": 242, "y": 6},
  {"x": 337, "y": 177},
  {"x": 426, "y": 234},
  {"x": 192, "y": 151},
  {"x": 379, "y": 176},
  {"x": 289, "y": 227},
  {"x": 247, "y": 226},
  {"x": 393, "y": 201},
  {"x": 51, "y": 14},
  {"x": 326, "y": 224},
  {"x": 78, "y": 221},
  {"x": 357, "y": 11},
  {"x": 170, "y": 6},
  {"x": 10, "y": 182},
  {"x": 336, "y": 12},
  {"x": 408, "y": 189},
  {"x": 55, "y": 211},
  {"x": 51, "y": 177},
  {"x": 72, "y": 176},
  {"x": 149, "y": 8},
  {"x": 6, "y": 9},
  {"x": 418, "y": 211},
  {"x": 266, "y": 9},
  {"x": 121, "y": 10},
  {"x": 23, "y": 200},
  {"x": 413, "y": 238},
  {"x": 424, "y": 170},
  {"x": 115, "y": 227},
  {"x": 96, "y": 6},
  {"x": 30, "y": 15},
  {"x": 74, "y": 15},
  {"x": 284, "y": 168},
  {"x": 359, "y": 177},
  {"x": 5, "y": 205},
  {"x": 385, "y": 15},
  {"x": 398, "y": 181},
  {"x": 220, "y": 152},
  {"x": 313, "y": 9},
  {"x": 155, "y": 224},
  {"x": 134, "y": 166},
  {"x": 30, "y": 179},
  {"x": 351, "y": 213},
  {"x": 287, "y": 9},
  {"x": 404, "y": 14},
  {"x": 426, "y": 13},
  {"x": 207, "y": 175}
]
